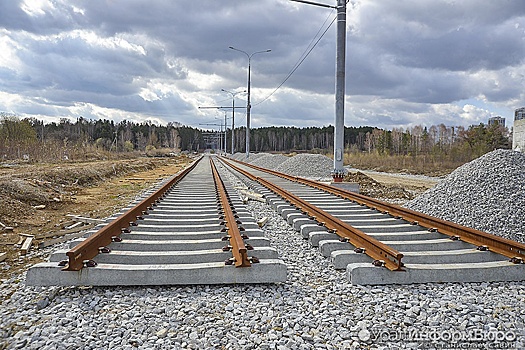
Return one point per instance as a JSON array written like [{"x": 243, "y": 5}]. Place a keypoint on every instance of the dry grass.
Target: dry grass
[{"x": 423, "y": 164}]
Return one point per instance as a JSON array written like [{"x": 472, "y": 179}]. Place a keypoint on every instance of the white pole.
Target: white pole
[{"x": 339, "y": 131}]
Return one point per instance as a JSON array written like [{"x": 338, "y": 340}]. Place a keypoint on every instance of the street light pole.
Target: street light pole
[
  {"x": 248, "y": 105},
  {"x": 219, "y": 137},
  {"x": 233, "y": 116}
]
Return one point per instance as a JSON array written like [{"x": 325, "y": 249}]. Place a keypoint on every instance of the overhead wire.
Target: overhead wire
[
  {"x": 305, "y": 54},
  {"x": 313, "y": 43}
]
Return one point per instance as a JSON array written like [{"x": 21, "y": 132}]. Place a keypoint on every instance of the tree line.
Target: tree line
[{"x": 70, "y": 139}]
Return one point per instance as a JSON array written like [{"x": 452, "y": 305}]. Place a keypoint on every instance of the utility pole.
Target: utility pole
[
  {"x": 233, "y": 115},
  {"x": 339, "y": 127}
]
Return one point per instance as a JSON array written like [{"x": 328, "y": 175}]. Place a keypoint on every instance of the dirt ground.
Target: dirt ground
[
  {"x": 393, "y": 188},
  {"x": 35, "y": 199}
]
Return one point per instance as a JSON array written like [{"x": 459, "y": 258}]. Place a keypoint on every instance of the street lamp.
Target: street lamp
[
  {"x": 248, "y": 106},
  {"x": 233, "y": 115}
]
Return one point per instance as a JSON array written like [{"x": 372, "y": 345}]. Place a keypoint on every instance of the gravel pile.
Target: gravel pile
[
  {"x": 314, "y": 166},
  {"x": 238, "y": 155},
  {"x": 253, "y": 156},
  {"x": 487, "y": 194},
  {"x": 270, "y": 161},
  {"x": 235, "y": 155}
]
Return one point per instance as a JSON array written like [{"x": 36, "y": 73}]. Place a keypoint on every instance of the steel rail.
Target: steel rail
[
  {"x": 81, "y": 255},
  {"x": 500, "y": 245},
  {"x": 239, "y": 250},
  {"x": 378, "y": 251}
]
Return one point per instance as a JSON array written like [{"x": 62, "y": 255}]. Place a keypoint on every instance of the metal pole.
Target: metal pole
[
  {"x": 225, "y": 128},
  {"x": 339, "y": 127},
  {"x": 339, "y": 131},
  {"x": 233, "y": 94},
  {"x": 248, "y": 109},
  {"x": 233, "y": 125},
  {"x": 219, "y": 138},
  {"x": 248, "y": 105}
]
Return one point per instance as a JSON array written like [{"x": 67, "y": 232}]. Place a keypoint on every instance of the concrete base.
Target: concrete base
[
  {"x": 294, "y": 216},
  {"x": 427, "y": 245},
  {"x": 326, "y": 247},
  {"x": 367, "y": 274},
  {"x": 307, "y": 228},
  {"x": 177, "y": 245},
  {"x": 298, "y": 223},
  {"x": 342, "y": 258},
  {"x": 318, "y": 236},
  {"x": 267, "y": 271}
]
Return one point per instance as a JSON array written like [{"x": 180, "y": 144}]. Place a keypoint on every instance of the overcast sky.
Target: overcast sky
[{"x": 409, "y": 62}]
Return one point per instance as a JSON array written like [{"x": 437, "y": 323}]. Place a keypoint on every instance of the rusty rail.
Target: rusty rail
[
  {"x": 239, "y": 250},
  {"x": 372, "y": 247},
  {"x": 87, "y": 250},
  {"x": 495, "y": 243},
  {"x": 500, "y": 245}
]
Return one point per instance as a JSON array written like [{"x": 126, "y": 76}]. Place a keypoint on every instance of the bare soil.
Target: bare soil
[
  {"x": 35, "y": 199},
  {"x": 394, "y": 188}
]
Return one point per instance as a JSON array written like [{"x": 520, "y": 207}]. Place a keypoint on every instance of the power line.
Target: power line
[{"x": 305, "y": 54}]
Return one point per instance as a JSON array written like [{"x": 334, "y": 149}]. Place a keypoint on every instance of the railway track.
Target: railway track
[
  {"x": 378, "y": 243},
  {"x": 196, "y": 230},
  {"x": 191, "y": 230}
]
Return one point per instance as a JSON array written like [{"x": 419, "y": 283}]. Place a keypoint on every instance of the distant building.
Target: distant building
[
  {"x": 497, "y": 121},
  {"x": 519, "y": 113},
  {"x": 518, "y": 134}
]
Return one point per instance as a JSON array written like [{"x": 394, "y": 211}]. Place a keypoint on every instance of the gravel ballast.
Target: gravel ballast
[
  {"x": 487, "y": 194},
  {"x": 317, "y": 308}
]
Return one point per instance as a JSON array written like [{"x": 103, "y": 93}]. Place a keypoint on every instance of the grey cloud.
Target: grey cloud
[
  {"x": 61, "y": 17},
  {"x": 462, "y": 35},
  {"x": 412, "y": 53}
]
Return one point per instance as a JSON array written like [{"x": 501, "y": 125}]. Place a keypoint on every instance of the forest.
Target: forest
[{"x": 32, "y": 139}]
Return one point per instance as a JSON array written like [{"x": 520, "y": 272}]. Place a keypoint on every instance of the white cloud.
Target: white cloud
[
  {"x": 36, "y": 8},
  {"x": 8, "y": 48}
]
